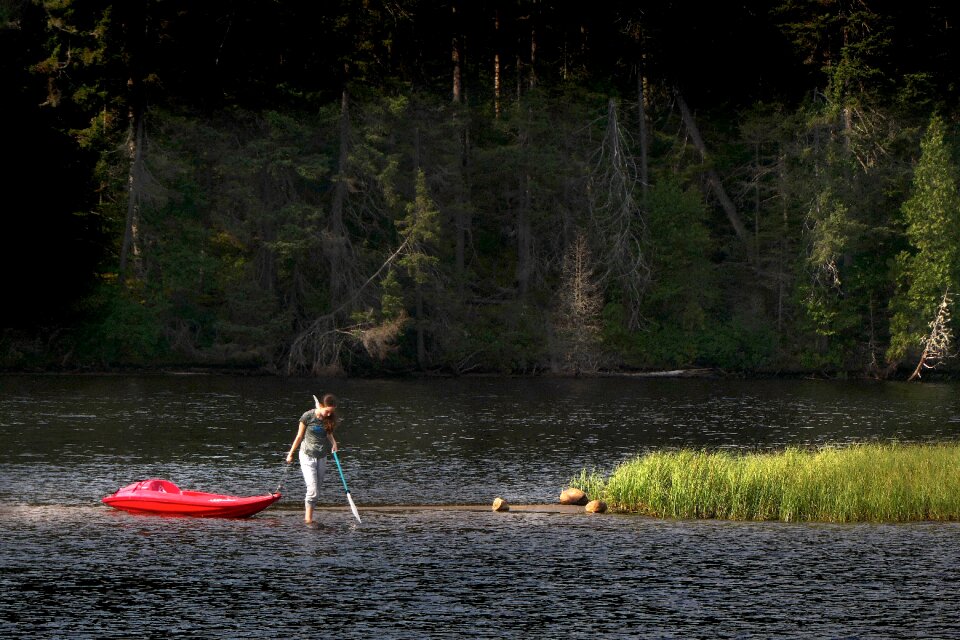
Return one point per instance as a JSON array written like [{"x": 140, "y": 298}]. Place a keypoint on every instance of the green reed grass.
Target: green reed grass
[{"x": 862, "y": 482}]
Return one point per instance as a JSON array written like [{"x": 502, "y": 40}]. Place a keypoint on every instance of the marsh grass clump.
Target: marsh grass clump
[{"x": 862, "y": 482}]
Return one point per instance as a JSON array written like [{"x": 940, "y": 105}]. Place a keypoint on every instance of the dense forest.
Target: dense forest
[{"x": 382, "y": 187}]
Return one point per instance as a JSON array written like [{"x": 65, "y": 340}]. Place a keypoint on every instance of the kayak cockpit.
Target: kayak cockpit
[{"x": 156, "y": 484}]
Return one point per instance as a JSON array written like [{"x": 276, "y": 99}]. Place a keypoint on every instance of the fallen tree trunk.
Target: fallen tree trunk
[{"x": 713, "y": 178}]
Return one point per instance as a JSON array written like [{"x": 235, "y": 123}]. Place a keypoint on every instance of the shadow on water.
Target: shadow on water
[{"x": 71, "y": 567}]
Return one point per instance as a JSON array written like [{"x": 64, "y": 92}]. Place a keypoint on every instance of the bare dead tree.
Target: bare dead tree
[
  {"x": 936, "y": 346},
  {"x": 577, "y": 321},
  {"x": 319, "y": 348},
  {"x": 380, "y": 340},
  {"x": 618, "y": 219},
  {"x": 130, "y": 249},
  {"x": 828, "y": 227},
  {"x": 461, "y": 213},
  {"x": 456, "y": 56},
  {"x": 496, "y": 66},
  {"x": 534, "y": 21},
  {"x": 644, "y": 134},
  {"x": 143, "y": 190}
]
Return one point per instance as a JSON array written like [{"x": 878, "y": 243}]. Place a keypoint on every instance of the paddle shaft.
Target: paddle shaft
[
  {"x": 353, "y": 507},
  {"x": 340, "y": 469}
]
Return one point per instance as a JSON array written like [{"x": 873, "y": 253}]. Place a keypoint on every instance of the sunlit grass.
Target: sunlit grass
[{"x": 862, "y": 482}]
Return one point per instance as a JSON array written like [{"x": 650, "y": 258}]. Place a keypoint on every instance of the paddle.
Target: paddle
[{"x": 353, "y": 507}]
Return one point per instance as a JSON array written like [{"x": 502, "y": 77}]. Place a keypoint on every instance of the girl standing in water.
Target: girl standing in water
[{"x": 316, "y": 425}]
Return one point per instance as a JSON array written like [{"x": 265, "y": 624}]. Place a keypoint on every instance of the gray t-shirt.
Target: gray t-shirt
[{"x": 315, "y": 437}]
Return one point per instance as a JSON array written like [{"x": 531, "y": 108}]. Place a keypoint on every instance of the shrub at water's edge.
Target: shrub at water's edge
[{"x": 862, "y": 482}]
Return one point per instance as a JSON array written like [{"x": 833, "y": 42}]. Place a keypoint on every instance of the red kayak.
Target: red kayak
[{"x": 165, "y": 498}]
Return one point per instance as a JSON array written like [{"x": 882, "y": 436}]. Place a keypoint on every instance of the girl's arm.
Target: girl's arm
[
  {"x": 333, "y": 442},
  {"x": 296, "y": 441}
]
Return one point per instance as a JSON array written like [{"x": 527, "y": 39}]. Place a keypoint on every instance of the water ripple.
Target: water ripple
[{"x": 72, "y": 567}]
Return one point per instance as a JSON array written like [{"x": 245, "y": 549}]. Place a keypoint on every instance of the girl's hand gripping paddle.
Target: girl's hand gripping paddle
[{"x": 353, "y": 507}]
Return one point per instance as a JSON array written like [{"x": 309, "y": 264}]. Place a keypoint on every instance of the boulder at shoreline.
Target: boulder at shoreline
[
  {"x": 596, "y": 506},
  {"x": 573, "y": 496}
]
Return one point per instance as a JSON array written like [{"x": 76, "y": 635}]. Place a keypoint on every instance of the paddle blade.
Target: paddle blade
[{"x": 353, "y": 507}]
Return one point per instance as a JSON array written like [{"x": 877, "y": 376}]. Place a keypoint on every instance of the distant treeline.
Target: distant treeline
[{"x": 512, "y": 187}]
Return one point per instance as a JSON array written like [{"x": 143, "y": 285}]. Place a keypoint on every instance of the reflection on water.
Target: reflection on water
[{"x": 70, "y": 567}]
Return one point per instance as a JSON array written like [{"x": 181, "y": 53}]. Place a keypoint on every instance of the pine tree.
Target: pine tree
[{"x": 930, "y": 270}]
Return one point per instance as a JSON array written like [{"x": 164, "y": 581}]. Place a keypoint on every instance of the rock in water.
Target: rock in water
[
  {"x": 596, "y": 506},
  {"x": 573, "y": 496},
  {"x": 499, "y": 504}
]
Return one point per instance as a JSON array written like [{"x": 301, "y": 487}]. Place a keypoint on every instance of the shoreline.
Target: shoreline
[{"x": 676, "y": 373}]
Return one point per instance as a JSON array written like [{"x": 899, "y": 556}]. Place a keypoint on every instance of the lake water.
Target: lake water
[{"x": 72, "y": 567}]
